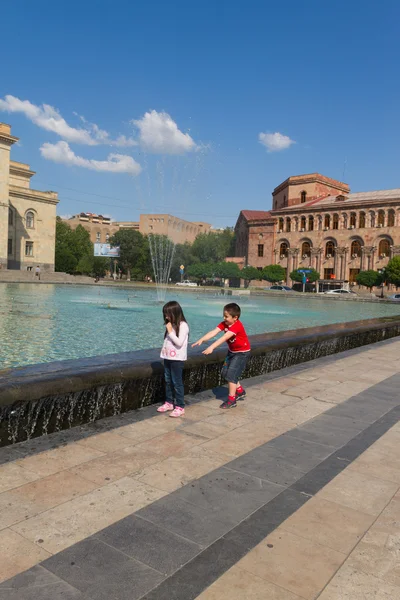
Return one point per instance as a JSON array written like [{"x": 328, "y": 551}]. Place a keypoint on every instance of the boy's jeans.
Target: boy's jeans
[
  {"x": 173, "y": 374},
  {"x": 234, "y": 366}
]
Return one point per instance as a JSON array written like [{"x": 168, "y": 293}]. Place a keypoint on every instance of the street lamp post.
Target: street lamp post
[{"x": 382, "y": 272}]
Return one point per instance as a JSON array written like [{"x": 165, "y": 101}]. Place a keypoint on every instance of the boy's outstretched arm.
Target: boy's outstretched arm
[
  {"x": 207, "y": 336},
  {"x": 222, "y": 339}
]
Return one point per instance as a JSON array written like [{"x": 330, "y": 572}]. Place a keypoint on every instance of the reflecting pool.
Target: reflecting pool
[{"x": 43, "y": 323}]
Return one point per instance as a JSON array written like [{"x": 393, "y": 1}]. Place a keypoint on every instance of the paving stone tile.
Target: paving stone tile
[
  {"x": 115, "y": 465},
  {"x": 230, "y": 419},
  {"x": 75, "y": 520},
  {"x": 207, "y": 430},
  {"x": 302, "y": 411},
  {"x": 17, "y": 554},
  {"x": 12, "y": 476},
  {"x": 300, "y": 453},
  {"x": 349, "y": 584},
  {"x": 38, "y": 584},
  {"x": 293, "y": 563},
  {"x": 366, "y": 410},
  {"x": 328, "y": 430},
  {"x": 268, "y": 465},
  {"x": 14, "y": 509},
  {"x": 329, "y": 524},
  {"x": 101, "y": 572},
  {"x": 185, "y": 519},
  {"x": 229, "y": 495},
  {"x": 9, "y": 454},
  {"x": 237, "y": 584},
  {"x": 53, "y": 490},
  {"x": 360, "y": 492},
  {"x": 147, "y": 429},
  {"x": 150, "y": 544},
  {"x": 199, "y": 573},
  {"x": 321, "y": 475},
  {"x": 246, "y": 438},
  {"x": 262, "y": 522},
  {"x": 170, "y": 443},
  {"x": 378, "y": 464},
  {"x": 109, "y": 441},
  {"x": 177, "y": 471},
  {"x": 59, "y": 459}
]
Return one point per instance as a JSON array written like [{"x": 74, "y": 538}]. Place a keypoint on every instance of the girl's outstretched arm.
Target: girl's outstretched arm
[
  {"x": 207, "y": 336},
  {"x": 178, "y": 341}
]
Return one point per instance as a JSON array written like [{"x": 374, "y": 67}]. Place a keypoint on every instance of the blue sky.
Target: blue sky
[{"x": 191, "y": 86}]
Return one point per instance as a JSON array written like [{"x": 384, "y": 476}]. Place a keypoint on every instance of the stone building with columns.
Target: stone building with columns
[
  {"x": 27, "y": 216},
  {"x": 317, "y": 222}
]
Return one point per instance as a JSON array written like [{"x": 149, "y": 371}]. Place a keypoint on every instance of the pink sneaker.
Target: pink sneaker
[
  {"x": 165, "y": 407},
  {"x": 177, "y": 412}
]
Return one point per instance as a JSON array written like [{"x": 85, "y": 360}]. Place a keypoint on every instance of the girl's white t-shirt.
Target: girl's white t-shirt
[{"x": 175, "y": 347}]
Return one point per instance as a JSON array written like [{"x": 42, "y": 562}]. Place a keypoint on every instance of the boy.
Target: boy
[{"x": 238, "y": 353}]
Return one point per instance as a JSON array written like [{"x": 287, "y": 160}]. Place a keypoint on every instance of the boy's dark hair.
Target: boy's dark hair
[{"x": 233, "y": 309}]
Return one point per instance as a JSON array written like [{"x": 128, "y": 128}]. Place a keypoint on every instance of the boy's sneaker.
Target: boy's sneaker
[
  {"x": 230, "y": 403},
  {"x": 241, "y": 395},
  {"x": 177, "y": 412},
  {"x": 165, "y": 407}
]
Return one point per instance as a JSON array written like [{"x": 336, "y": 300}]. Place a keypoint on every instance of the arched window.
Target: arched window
[
  {"x": 281, "y": 224},
  {"x": 372, "y": 218},
  {"x": 98, "y": 236},
  {"x": 10, "y": 216},
  {"x": 327, "y": 221},
  {"x": 283, "y": 250},
  {"x": 310, "y": 223},
  {"x": 335, "y": 224},
  {"x": 353, "y": 220},
  {"x": 361, "y": 222},
  {"x": 391, "y": 218},
  {"x": 303, "y": 224},
  {"x": 381, "y": 218},
  {"x": 384, "y": 248},
  {"x": 305, "y": 249},
  {"x": 303, "y": 196},
  {"x": 107, "y": 237},
  {"x": 329, "y": 249},
  {"x": 30, "y": 219},
  {"x": 288, "y": 225},
  {"x": 355, "y": 249}
]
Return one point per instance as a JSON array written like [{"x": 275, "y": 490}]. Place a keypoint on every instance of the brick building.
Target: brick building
[
  {"x": 101, "y": 228},
  {"x": 316, "y": 222}
]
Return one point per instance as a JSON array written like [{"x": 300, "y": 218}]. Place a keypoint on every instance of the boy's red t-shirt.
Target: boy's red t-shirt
[{"x": 238, "y": 342}]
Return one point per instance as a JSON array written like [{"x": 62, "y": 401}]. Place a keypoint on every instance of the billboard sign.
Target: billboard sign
[{"x": 106, "y": 250}]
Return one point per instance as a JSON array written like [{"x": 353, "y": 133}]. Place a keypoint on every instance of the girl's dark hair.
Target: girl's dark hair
[{"x": 173, "y": 313}]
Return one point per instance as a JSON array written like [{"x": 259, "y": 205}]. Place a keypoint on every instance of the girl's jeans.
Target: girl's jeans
[{"x": 174, "y": 391}]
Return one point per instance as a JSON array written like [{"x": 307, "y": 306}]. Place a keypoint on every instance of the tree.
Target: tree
[
  {"x": 249, "y": 273},
  {"x": 213, "y": 246},
  {"x": 65, "y": 261},
  {"x": 369, "y": 278},
  {"x": 134, "y": 252},
  {"x": 392, "y": 271},
  {"x": 200, "y": 270},
  {"x": 226, "y": 270},
  {"x": 79, "y": 243},
  {"x": 312, "y": 276},
  {"x": 100, "y": 266},
  {"x": 183, "y": 255},
  {"x": 274, "y": 273}
]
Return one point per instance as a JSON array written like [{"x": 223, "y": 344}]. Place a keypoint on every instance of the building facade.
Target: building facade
[
  {"x": 102, "y": 228},
  {"x": 27, "y": 216},
  {"x": 316, "y": 222}
]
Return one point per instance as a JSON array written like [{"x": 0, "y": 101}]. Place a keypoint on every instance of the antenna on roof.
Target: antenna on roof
[{"x": 344, "y": 168}]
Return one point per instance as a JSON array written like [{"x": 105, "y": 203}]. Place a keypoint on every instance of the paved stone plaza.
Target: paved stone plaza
[{"x": 292, "y": 495}]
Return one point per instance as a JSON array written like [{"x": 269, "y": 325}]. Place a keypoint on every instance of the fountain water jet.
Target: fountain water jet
[{"x": 162, "y": 251}]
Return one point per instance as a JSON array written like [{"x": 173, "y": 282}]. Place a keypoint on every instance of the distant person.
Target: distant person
[
  {"x": 174, "y": 353},
  {"x": 37, "y": 272},
  {"x": 238, "y": 353}
]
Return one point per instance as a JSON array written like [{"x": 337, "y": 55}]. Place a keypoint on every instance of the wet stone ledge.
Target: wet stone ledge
[{"x": 41, "y": 399}]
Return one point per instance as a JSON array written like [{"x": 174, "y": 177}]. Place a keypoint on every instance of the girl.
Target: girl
[{"x": 174, "y": 353}]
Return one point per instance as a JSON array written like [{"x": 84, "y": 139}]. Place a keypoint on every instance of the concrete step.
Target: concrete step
[{"x": 29, "y": 277}]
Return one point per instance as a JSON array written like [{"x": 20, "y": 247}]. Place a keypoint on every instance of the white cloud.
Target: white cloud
[
  {"x": 158, "y": 133},
  {"x": 115, "y": 163},
  {"x": 47, "y": 117},
  {"x": 275, "y": 142}
]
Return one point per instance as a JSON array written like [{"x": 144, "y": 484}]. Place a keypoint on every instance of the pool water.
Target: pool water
[{"x": 44, "y": 323}]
